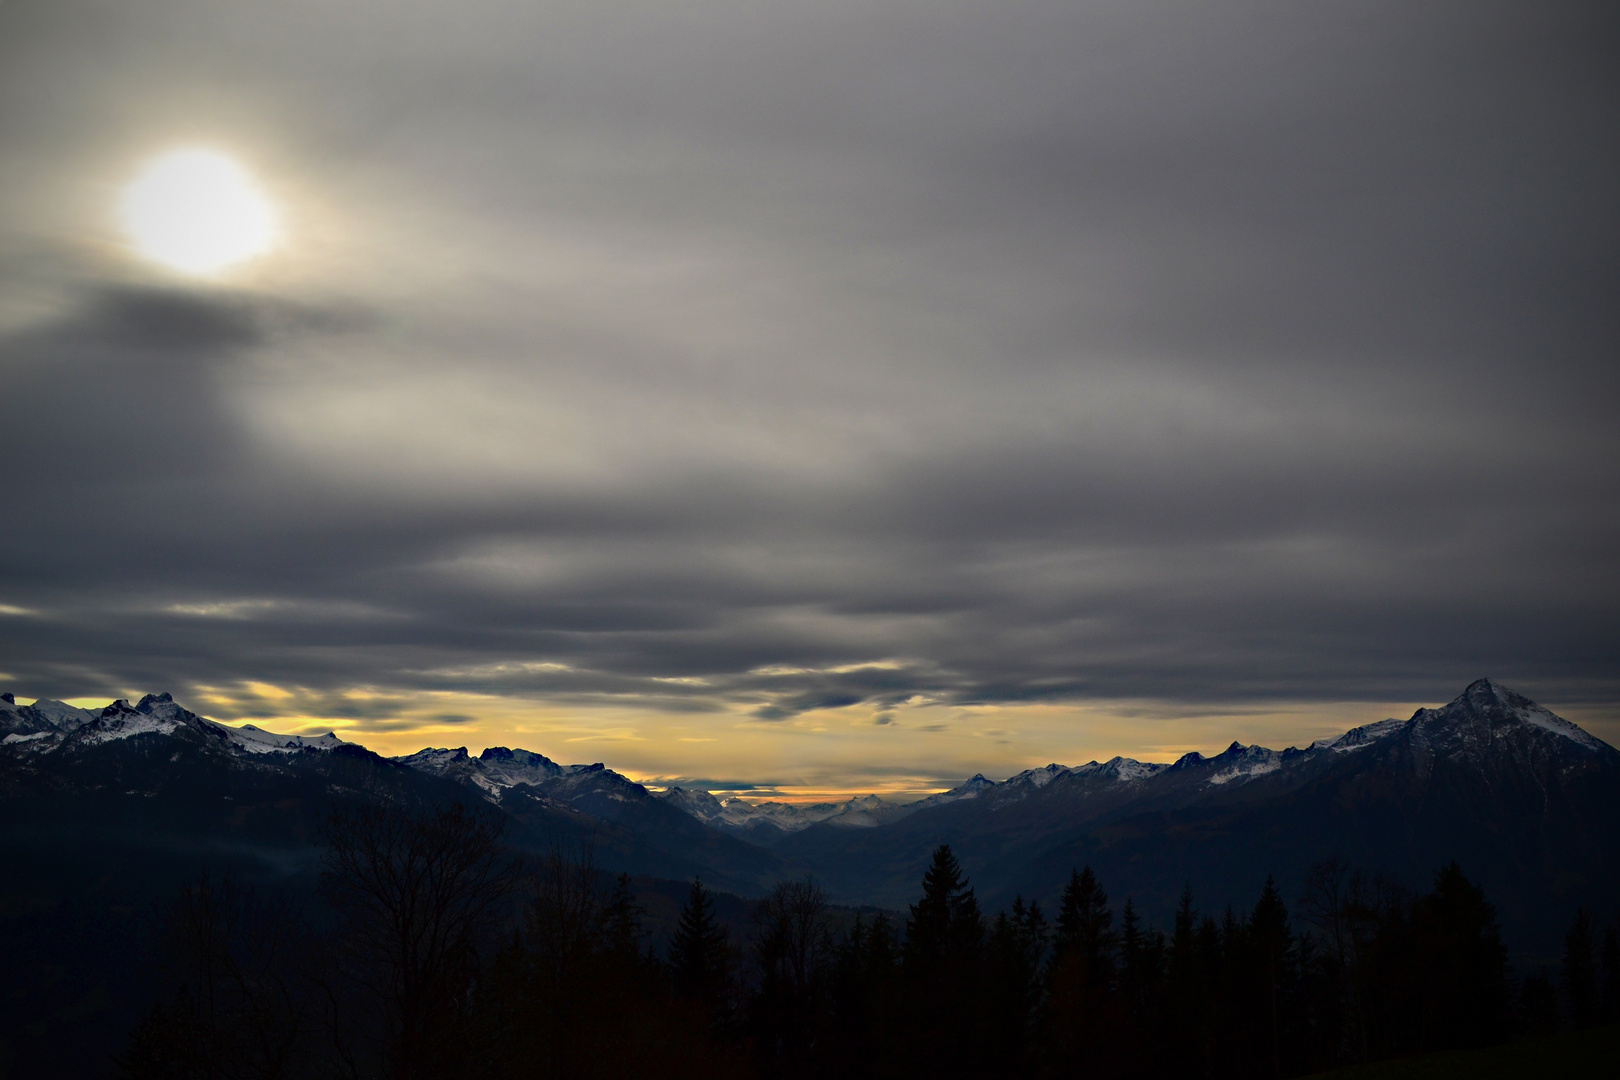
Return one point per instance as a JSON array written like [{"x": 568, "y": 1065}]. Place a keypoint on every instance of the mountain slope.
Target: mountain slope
[
  {"x": 1528, "y": 802},
  {"x": 156, "y": 775},
  {"x": 633, "y": 828}
]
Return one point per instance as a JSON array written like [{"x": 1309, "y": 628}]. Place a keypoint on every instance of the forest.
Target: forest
[{"x": 437, "y": 953}]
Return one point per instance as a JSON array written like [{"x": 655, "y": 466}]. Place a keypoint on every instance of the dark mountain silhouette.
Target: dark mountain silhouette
[
  {"x": 1528, "y": 802},
  {"x": 158, "y": 776}
]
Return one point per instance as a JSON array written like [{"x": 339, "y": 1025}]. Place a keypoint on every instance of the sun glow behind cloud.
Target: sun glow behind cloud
[{"x": 197, "y": 211}]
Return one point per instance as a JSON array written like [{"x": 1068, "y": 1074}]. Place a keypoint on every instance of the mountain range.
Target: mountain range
[{"x": 1528, "y": 802}]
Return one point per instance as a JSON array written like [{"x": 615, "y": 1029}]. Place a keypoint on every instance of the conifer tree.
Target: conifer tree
[
  {"x": 698, "y": 954},
  {"x": 1611, "y": 974},
  {"x": 1578, "y": 973},
  {"x": 1084, "y": 923},
  {"x": 1462, "y": 964},
  {"x": 1013, "y": 985},
  {"x": 945, "y": 924},
  {"x": 1187, "y": 993},
  {"x": 942, "y": 961},
  {"x": 1081, "y": 975},
  {"x": 622, "y": 923},
  {"x": 1271, "y": 941}
]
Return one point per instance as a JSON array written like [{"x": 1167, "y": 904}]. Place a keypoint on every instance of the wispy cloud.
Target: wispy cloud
[{"x": 923, "y": 389}]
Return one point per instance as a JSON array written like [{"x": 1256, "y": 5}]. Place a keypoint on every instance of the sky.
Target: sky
[{"x": 798, "y": 398}]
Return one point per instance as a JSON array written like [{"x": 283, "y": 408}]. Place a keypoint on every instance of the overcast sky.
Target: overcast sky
[{"x": 819, "y": 395}]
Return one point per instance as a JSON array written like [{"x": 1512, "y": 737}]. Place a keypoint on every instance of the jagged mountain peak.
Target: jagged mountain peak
[
  {"x": 1486, "y": 712},
  {"x": 44, "y": 717},
  {"x": 435, "y": 757},
  {"x": 695, "y": 801},
  {"x": 520, "y": 757}
]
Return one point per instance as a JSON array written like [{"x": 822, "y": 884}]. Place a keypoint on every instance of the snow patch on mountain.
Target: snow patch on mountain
[
  {"x": 256, "y": 740},
  {"x": 1252, "y": 762},
  {"x": 1037, "y": 778},
  {"x": 155, "y": 715},
  {"x": 972, "y": 789},
  {"x": 772, "y": 817},
  {"x": 1361, "y": 737},
  {"x": 63, "y": 716},
  {"x": 512, "y": 767},
  {"x": 1544, "y": 719},
  {"x": 700, "y": 804}
]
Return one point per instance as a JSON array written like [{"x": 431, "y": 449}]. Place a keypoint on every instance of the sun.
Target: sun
[{"x": 198, "y": 212}]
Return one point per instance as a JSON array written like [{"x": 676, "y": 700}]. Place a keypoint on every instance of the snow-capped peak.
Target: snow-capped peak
[
  {"x": 1360, "y": 737},
  {"x": 1486, "y": 712},
  {"x": 435, "y": 759},
  {"x": 971, "y": 789},
  {"x": 256, "y": 740},
  {"x": 64, "y": 716},
  {"x": 120, "y": 720},
  {"x": 1038, "y": 778},
  {"x": 1245, "y": 763},
  {"x": 700, "y": 804}
]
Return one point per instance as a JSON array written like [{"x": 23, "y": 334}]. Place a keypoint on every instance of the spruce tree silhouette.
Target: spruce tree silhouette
[
  {"x": 1461, "y": 965},
  {"x": 1081, "y": 976},
  {"x": 945, "y": 924},
  {"x": 699, "y": 956},
  {"x": 1538, "y": 1005},
  {"x": 1085, "y": 923},
  {"x": 1271, "y": 942},
  {"x": 867, "y": 996},
  {"x": 942, "y": 964},
  {"x": 1578, "y": 973},
  {"x": 1013, "y": 987},
  {"x": 1187, "y": 994},
  {"x": 1140, "y": 993},
  {"x": 1611, "y": 974}
]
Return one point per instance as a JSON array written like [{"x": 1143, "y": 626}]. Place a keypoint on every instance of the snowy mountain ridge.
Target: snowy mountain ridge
[
  {"x": 771, "y": 819},
  {"x": 1485, "y": 719},
  {"x": 47, "y": 726}
]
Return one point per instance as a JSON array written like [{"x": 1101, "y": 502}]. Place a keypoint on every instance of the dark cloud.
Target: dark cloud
[{"x": 821, "y": 356}]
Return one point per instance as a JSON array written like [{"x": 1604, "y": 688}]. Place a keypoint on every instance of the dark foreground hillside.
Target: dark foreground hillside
[
  {"x": 1593, "y": 1054},
  {"x": 440, "y": 957},
  {"x": 1446, "y": 881}
]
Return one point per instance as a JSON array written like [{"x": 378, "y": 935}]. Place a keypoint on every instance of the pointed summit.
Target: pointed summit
[{"x": 1485, "y": 713}]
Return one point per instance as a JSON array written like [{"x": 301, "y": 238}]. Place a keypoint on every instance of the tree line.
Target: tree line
[{"x": 442, "y": 956}]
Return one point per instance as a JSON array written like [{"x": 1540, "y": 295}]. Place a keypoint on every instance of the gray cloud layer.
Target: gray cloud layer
[{"x": 711, "y": 353}]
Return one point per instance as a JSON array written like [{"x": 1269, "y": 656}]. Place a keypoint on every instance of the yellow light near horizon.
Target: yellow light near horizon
[{"x": 197, "y": 211}]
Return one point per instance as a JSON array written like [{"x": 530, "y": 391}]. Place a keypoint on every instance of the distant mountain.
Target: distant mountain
[
  {"x": 624, "y": 814},
  {"x": 105, "y": 815},
  {"x": 767, "y": 822},
  {"x": 159, "y": 775},
  {"x": 1528, "y": 802}
]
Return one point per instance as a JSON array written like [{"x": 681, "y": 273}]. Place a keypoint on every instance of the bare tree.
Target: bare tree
[
  {"x": 794, "y": 950},
  {"x": 1329, "y": 886},
  {"x": 794, "y": 938},
  {"x": 418, "y": 893},
  {"x": 239, "y": 974}
]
